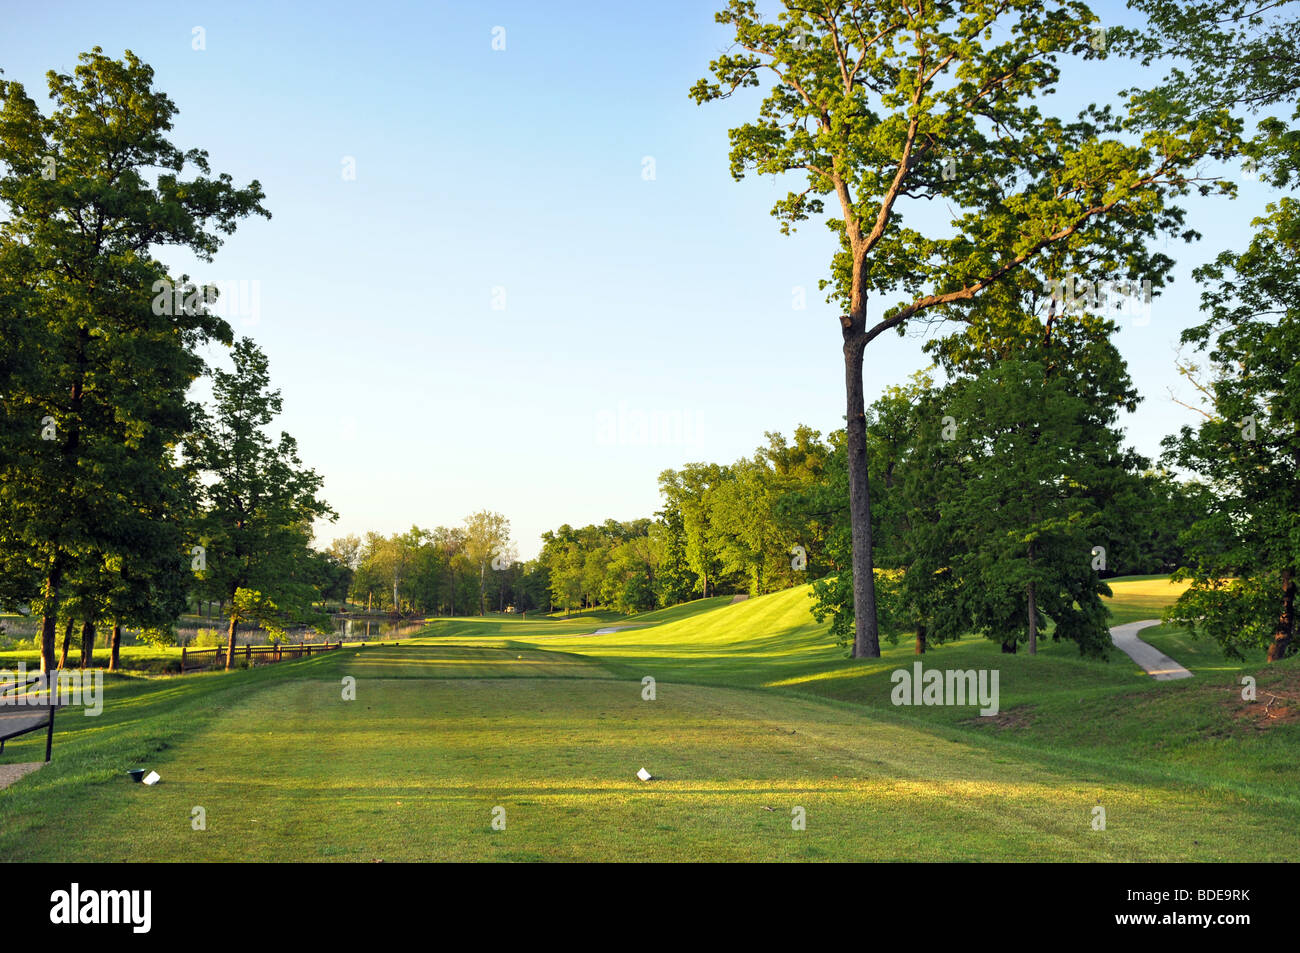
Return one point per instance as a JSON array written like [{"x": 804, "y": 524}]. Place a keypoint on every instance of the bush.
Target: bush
[{"x": 209, "y": 639}]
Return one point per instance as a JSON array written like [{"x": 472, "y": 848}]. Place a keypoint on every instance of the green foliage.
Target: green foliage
[
  {"x": 883, "y": 105},
  {"x": 1243, "y": 550},
  {"x": 91, "y": 517},
  {"x": 1246, "y": 543},
  {"x": 156, "y": 636},
  {"x": 259, "y": 502}
]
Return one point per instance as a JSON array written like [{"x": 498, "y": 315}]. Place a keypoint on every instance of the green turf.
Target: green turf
[{"x": 756, "y": 712}]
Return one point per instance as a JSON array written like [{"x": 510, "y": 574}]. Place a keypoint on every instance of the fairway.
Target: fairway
[{"x": 445, "y": 731}]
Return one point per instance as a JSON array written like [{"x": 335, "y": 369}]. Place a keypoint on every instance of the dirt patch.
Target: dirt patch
[
  {"x": 9, "y": 773},
  {"x": 1277, "y": 703}
]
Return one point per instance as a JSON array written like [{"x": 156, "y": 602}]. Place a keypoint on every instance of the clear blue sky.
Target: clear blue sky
[{"x": 521, "y": 169}]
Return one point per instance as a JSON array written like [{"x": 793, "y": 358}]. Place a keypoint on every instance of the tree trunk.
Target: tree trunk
[
  {"x": 87, "y": 643},
  {"x": 920, "y": 640},
  {"x": 482, "y": 581},
  {"x": 866, "y": 635},
  {"x": 67, "y": 641},
  {"x": 1033, "y": 619},
  {"x": 1285, "y": 630},
  {"x": 1032, "y": 592},
  {"x": 51, "y": 599},
  {"x": 230, "y": 641},
  {"x": 114, "y": 644}
]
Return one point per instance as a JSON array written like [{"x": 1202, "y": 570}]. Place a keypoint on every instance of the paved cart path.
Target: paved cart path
[{"x": 1154, "y": 662}]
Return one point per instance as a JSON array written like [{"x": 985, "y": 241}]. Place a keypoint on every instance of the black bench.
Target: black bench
[{"x": 21, "y": 713}]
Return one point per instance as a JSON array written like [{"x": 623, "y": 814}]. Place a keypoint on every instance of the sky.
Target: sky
[{"x": 507, "y": 266}]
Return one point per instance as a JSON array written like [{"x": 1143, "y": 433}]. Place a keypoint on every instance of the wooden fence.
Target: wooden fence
[{"x": 194, "y": 660}]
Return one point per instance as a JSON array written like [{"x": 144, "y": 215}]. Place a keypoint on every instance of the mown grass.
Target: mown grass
[{"x": 756, "y": 712}]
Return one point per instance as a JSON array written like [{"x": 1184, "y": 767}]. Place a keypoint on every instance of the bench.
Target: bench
[{"x": 19, "y": 716}]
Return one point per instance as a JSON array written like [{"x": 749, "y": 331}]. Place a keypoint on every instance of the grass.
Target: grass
[
  {"x": 756, "y": 713},
  {"x": 1141, "y": 597}
]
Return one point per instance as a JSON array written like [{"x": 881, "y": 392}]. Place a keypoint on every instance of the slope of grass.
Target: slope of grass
[
  {"x": 1107, "y": 714},
  {"x": 1141, "y": 597},
  {"x": 681, "y": 611}
]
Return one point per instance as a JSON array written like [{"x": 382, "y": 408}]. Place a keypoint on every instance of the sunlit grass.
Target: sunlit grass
[
  {"x": 413, "y": 769},
  {"x": 756, "y": 712}
]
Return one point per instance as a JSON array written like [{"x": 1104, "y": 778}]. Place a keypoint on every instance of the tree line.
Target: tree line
[{"x": 444, "y": 571}]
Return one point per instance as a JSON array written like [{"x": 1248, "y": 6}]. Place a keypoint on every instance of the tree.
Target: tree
[
  {"x": 749, "y": 539},
  {"x": 102, "y": 401},
  {"x": 487, "y": 535},
  {"x": 1036, "y": 472},
  {"x": 564, "y": 562},
  {"x": 1025, "y": 486},
  {"x": 690, "y": 492},
  {"x": 450, "y": 543},
  {"x": 675, "y": 582},
  {"x": 1242, "y": 52},
  {"x": 259, "y": 501},
  {"x": 634, "y": 568},
  {"x": 880, "y": 103},
  {"x": 346, "y": 552},
  {"x": 904, "y": 530},
  {"x": 1245, "y": 549}
]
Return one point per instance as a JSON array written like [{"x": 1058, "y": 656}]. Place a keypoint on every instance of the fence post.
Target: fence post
[
  {"x": 182, "y": 660},
  {"x": 248, "y": 654}
]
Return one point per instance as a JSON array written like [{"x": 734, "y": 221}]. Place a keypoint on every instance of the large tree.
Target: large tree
[
  {"x": 92, "y": 191},
  {"x": 880, "y": 104}
]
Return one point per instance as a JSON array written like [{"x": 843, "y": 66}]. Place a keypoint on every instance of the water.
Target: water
[{"x": 363, "y": 630}]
